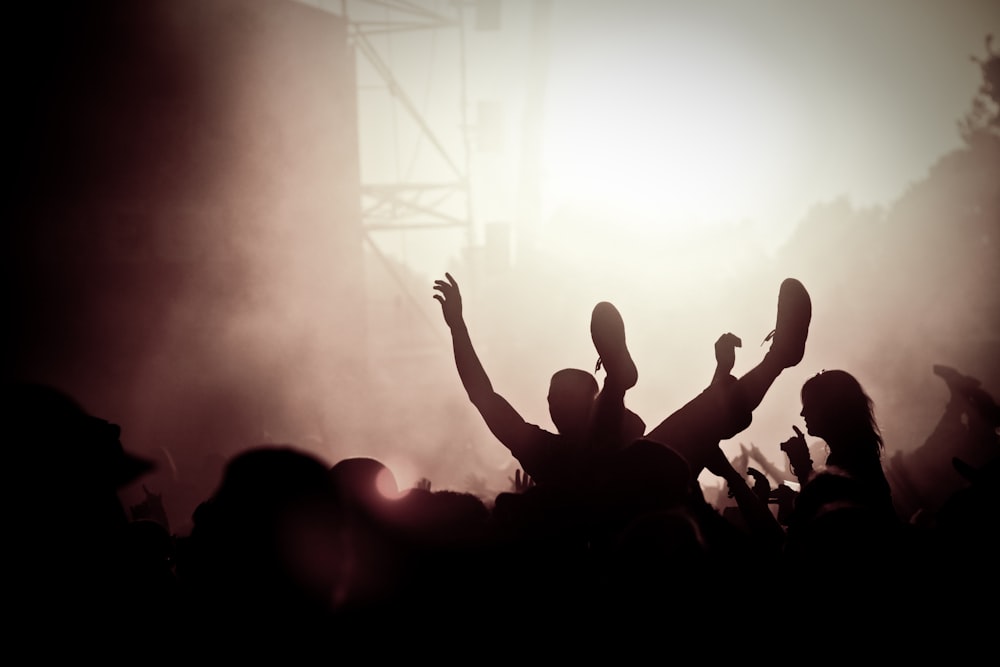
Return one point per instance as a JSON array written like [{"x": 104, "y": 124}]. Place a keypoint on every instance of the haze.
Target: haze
[{"x": 193, "y": 262}]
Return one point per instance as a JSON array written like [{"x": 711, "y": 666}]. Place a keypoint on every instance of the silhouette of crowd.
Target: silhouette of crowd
[{"x": 605, "y": 529}]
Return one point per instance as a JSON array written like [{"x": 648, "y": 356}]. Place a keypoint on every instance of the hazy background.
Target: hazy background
[{"x": 192, "y": 256}]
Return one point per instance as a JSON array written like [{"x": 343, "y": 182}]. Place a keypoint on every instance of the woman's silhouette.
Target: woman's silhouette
[
  {"x": 836, "y": 408},
  {"x": 844, "y": 510}
]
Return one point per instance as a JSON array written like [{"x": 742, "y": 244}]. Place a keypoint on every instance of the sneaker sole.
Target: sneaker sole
[{"x": 607, "y": 330}]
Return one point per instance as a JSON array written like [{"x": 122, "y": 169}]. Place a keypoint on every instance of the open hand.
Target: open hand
[
  {"x": 450, "y": 299},
  {"x": 521, "y": 483}
]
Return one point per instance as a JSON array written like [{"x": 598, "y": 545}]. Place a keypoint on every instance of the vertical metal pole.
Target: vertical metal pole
[
  {"x": 463, "y": 95},
  {"x": 529, "y": 190}
]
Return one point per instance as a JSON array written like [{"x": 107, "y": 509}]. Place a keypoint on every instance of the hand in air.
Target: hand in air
[
  {"x": 521, "y": 482},
  {"x": 725, "y": 351},
  {"x": 761, "y": 487},
  {"x": 797, "y": 450},
  {"x": 450, "y": 299}
]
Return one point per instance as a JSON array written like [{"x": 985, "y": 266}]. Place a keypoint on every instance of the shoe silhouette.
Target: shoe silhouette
[
  {"x": 788, "y": 339},
  {"x": 608, "y": 333}
]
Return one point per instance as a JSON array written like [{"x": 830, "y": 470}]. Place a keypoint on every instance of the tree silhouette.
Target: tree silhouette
[{"x": 982, "y": 121}]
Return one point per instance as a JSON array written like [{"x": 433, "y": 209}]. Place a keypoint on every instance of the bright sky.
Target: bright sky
[
  {"x": 676, "y": 113},
  {"x": 731, "y": 110}
]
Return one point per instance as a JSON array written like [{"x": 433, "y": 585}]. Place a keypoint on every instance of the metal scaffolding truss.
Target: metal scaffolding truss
[
  {"x": 418, "y": 204},
  {"x": 403, "y": 205}
]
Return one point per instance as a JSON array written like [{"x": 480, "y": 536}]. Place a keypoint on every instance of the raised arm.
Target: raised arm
[
  {"x": 774, "y": 472},
  {"x": 725, "y": 356},
  {"x": 755, "y": 511},
  {"x": 501, "y": 418}
]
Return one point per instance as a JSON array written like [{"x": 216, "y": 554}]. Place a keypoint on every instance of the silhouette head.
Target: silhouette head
[
  {"x": 571, "y": 396},
  {"x": 364, "y": 482},
  {"x": 836, "y": 408},
  {"x": 53, "y": 436},
  {"x": 651, "y": 476},
  {"x": 271, "y": 528},
  {"x": 64, "y": 461}
]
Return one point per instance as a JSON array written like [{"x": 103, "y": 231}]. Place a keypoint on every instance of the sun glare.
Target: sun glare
[
  {"x": 385, "y": 483},
  {"x": 686, "y": 132}
]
